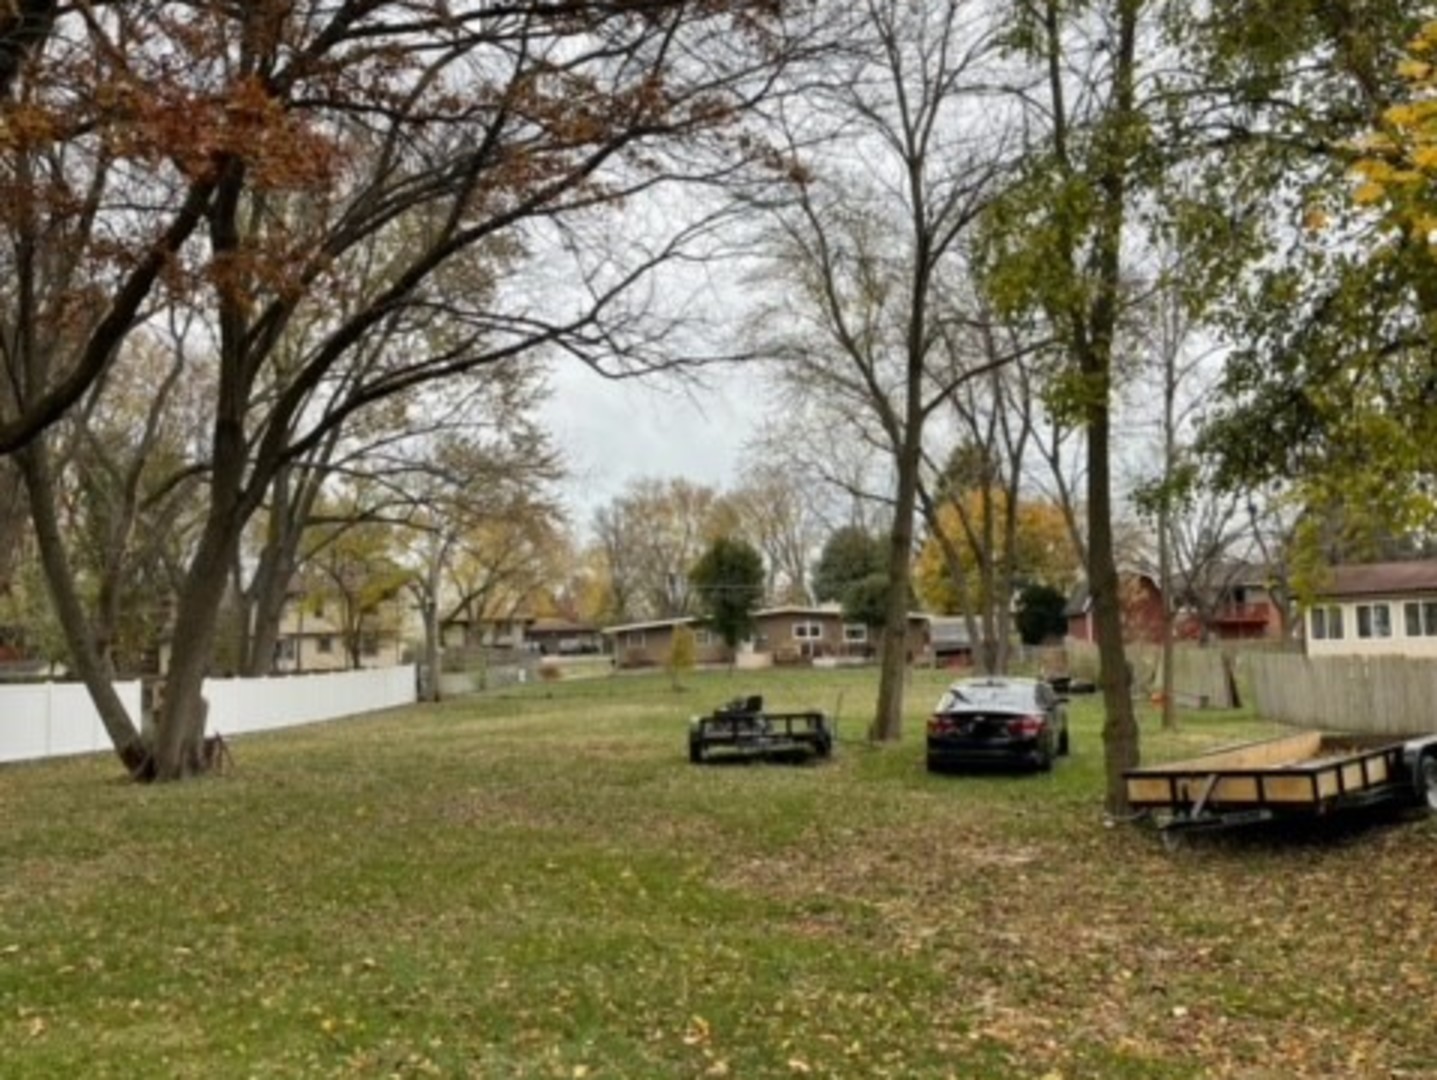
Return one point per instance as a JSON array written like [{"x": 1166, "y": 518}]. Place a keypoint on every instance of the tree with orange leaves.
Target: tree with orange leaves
[{"x": 306, "y": 178}]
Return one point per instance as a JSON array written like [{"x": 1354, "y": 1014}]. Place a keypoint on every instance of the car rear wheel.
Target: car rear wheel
[{"x": 1427, "y": 781}]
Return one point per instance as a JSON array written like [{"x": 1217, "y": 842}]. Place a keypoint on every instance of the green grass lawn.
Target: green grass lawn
[{"x": 538, "y": 884}]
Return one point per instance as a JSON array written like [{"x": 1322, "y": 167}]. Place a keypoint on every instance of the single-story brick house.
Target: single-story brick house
[
  {"x": 1375, "y": 609},
  {"x": 649, "y": 644},
  {"x": 794, "y": 632},
  {"x": 789, "y": 633},
  {"x": 563, "y": 637}
]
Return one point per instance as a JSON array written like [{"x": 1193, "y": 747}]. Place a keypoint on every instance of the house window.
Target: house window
[
  {"x": 703, "y": 638},
  {"x": 855, "y": 634},
  {"x": 369, "y": 645},
  {"x": 634, "y": 639},
  {"x": 1327, "y": 623},
  {"x": 1420, "y": 618},
  {"x": 325, "y": 644},
  {"x": 807, "y": 631},
  {"x": 1374, "y": 621},
  {"x": 284, "y": 650}
]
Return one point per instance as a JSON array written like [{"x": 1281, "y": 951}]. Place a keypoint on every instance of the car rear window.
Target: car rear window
[{"x": 986, "y": 696}]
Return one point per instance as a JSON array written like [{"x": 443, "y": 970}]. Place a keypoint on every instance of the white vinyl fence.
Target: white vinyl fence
[{"x": 43, "y": 720}]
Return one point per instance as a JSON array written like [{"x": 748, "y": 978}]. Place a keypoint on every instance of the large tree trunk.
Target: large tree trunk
[
  {"x": 180, "y": 730},
  {"x": 89, "y": 662},
  {"x": 1120, "y": 728},
  {"x": 431, "y": 650},
  {"x": 180, "y": 727},
  {"x": 429, "y": 604},
  {"x": 268, "y": 594},
  {"x": 13, "y": 515},
  {"x": 888, "y": 721}
]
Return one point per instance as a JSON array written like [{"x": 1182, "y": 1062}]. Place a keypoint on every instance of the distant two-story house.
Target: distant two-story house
[
  {"x": 312, "y": 635},
  {"x": 1234, "y": 601},
  {"x": 1375, "y": 609},
  {"x": 1142, "y": 610}
]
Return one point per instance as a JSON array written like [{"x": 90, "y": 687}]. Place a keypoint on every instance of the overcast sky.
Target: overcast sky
[{"x": 612, "y": 432}]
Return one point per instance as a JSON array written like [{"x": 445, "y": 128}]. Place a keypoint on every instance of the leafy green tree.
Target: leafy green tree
[
  {"x": 729, "y": 579},
  {"x": 1329, "y": 288},
  {"x": 1040, "y": 614},
  {"x": 1057, "y": 248},
  {"x": 866, "y": 600},
  {"x": 850, "y": 555}
]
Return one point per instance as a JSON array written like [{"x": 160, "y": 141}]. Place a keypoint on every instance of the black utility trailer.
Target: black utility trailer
[
  {"x": 1306, "y": 775},
  {"x": 742, "y": 729}
]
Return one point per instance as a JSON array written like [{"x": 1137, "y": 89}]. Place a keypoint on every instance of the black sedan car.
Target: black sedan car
[{"x": 998, "y": 721}]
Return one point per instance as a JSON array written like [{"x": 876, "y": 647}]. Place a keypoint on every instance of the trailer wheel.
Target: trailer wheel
[
  {"x": 696, "y": 752},
  {"x": 1427, "y": 781}
]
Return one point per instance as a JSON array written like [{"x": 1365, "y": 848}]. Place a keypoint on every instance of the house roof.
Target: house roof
[
  {"x": 817, "y": 610},
  {"x": 1378, "y": 579},
  {"x": 652, "y": 624},
  {"x": 559, "y": 626},
  {"x": 949, "y": 630},
  {"x": 820, "y": 611}
]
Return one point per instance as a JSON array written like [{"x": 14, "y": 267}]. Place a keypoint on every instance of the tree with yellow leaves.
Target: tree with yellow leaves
[
  {"x": 1042, "y": 550},
  {"x": 1397, "y": 171}
]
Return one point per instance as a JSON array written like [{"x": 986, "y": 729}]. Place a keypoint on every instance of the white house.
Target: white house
[{"x": 1376, "y": 609}]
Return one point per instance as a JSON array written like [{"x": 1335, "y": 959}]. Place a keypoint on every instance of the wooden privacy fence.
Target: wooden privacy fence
[
  {"x": 1200, "y": 675},
  {"x": 1381, "y": 694}
]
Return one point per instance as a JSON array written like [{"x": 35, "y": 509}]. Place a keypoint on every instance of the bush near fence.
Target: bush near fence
[{"x": 1390, "y": 695}]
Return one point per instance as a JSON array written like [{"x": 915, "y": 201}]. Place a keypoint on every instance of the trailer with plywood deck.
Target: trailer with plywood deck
[
  {"x": 743, "y": 729},
  {"x": 1307, "y": 774}
]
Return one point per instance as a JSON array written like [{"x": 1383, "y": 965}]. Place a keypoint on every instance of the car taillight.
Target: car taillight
[
  {"x": 939, "y": 725},
  {"x": 1025, "y": 727}
]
